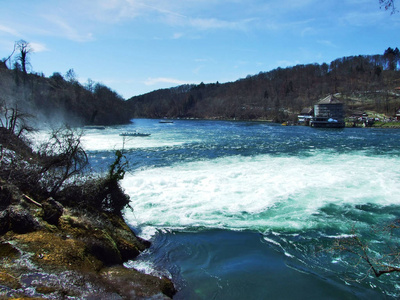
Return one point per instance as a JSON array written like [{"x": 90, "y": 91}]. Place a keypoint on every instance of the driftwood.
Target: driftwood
[{"x": 31, "y": 200}]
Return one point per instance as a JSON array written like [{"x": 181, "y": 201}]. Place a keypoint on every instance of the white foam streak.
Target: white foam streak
[
  {"x": 258, "y": 192},
  {"x": 111, "y": 140}
]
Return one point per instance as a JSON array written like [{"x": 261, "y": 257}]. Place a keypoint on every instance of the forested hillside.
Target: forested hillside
[
  {"x": 366, "y": 82},
  {"x": 363, "y": 83},
  {"x": 56, "y": 99}
]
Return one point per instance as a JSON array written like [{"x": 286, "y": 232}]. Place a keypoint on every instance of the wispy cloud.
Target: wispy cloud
[
  {"x": 177, "y": 35},
  {"x": 38, "y": 47},
  {"x": 65, "y": 29},
  {"x": 327, "y": 43},
  {"x": 360, "y": 19},
  {"x": 9, "y": 30},
  {"x": 172, "y": 13},
  {"x": 307, "y": 31},
  {"x": 213, "y": 23},
  {"x": 158, "y": 80},
  {"x": 286, "y": 63}
]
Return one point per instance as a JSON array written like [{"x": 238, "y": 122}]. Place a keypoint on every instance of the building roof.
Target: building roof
[
  {"x": 329, "y": 100},
  {"x": 307, "y": 111}
]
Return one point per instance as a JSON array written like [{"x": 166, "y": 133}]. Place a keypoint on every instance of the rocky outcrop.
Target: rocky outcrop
[
  {"x": 52, "y": 211},
  {"x": 57, "y": 252},
  {"x": 21, "y": 221}
]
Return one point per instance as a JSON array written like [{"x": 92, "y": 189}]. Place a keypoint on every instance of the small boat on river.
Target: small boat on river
[
  {"x": 94, "y": 127},
  {"x": 134, "y": 133}
]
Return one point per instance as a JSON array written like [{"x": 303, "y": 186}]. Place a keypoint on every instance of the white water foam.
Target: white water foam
[
  {"x": 110, "y": 140},
  {"x": 263, "y": 192},
  {"x": 146, "y": 267}
]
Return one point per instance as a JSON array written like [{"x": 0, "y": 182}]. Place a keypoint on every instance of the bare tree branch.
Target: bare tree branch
[
  {"x": 24, "y": 49},
  {"x": 388, "y": 5}
]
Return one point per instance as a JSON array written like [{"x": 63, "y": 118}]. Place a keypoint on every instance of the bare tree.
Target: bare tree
[
  {"x": 24, "y": 49},
  {"x": 388, "y": 5},
  {"x": 71, "y": 76},
  {"x": 14, "y": 119},
  {"x": 62, "y": 157}
]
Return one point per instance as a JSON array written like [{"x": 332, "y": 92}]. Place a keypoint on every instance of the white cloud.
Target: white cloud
[
  {"x": 177, "y": 35},
  {"x": 63, "y": 28},
  {"x": 38, "y": 47},
  {"x": 307, "y": 31},
  {"x": 327, "y": 43},
  {"x": 198, "y": 69},
  {"x": 154, "y": 81},
  {"x": 173, "y": 13},
  {"x": 286, "y": 63},
  {"x": 360, "y": 19},
  {"x": 9, "y": 30},
  {"x": 212, "y": 23}
]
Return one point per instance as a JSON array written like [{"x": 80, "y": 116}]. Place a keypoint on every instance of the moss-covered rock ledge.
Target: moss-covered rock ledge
[{"x": 80, "y": 256}]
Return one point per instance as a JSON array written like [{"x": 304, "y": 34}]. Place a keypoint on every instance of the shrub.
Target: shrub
[{"x": 100, "y": 193}]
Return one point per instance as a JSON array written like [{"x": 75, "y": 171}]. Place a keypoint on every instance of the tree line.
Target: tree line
[
  {"x": 58, "y": 98},
  {"x": 365, "y": 82}
]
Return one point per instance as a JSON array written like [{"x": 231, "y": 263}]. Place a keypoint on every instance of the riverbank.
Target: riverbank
[
  {"x": 73, "y": 245},
  {"x": 376, "y": 124},
  {"x": 80, "y": 256}
]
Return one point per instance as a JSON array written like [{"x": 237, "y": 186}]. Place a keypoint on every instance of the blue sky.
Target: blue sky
[{"x": 137, "y": 46}]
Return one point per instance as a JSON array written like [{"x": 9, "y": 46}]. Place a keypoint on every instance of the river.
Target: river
[{"x": 249, "y": 210}]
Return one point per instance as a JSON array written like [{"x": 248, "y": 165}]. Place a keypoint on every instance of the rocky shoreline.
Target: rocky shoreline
[
  {"x": 72, "y": 246},
  {"x": 80, "y": 255}
]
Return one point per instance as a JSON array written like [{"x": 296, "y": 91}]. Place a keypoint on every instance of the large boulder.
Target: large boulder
[
  {"x": 6, "y": 196},
  {"x": 21, "y": 221},
  {"x": 52, "y": 211},
  {"x": 103, "y": 247}
]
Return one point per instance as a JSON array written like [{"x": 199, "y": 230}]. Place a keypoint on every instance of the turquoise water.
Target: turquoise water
[{"x": 245, "y": 210}]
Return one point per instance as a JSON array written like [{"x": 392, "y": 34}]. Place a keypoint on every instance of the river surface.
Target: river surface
[{"x": 249, "y": 210}]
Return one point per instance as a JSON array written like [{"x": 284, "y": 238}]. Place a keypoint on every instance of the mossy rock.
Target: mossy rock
[
  {"x": 124, "y": 281},
  {"x": 8, "y": 251},
  {"x": 108, "y": 238},
  {"x": 8, "y": 280},
  {"x": 127, "y": 248},
  {"x": 53, "y": 251},
  {"x": 73, "y": 225},
  {"x": 127, "y": 242},
  {"x": 46, "y": 289},
  {"x": 101, "y": 245},
  {"x": 8, "y": 254}
]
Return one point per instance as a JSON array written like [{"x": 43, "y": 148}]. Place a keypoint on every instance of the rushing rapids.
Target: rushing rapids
[{"x": 246, "y": 210}]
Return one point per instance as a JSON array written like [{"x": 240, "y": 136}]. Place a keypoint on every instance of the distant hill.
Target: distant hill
[
  {"x": 55, "y": 99},
  {"x": 363, "y": 83},
  {"x": 366, "y": 82}
]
